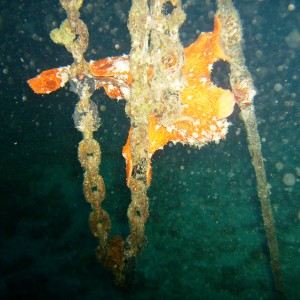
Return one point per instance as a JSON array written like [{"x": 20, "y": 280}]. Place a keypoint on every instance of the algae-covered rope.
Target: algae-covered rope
[{"x": 243, "y": 89}]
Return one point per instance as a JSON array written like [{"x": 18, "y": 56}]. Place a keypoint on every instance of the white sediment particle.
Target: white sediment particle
[
  {"x": 183, "y": 132},
  {"x": 124, "y": 76},
  {"x": 110, "y": 88},
  {"x": 153, "y": 143},
  {"x": 224, "y": 131},
  {"x": 122, "y": 66},
  {"x": 208, "y": 135},
  {"x": 217, "y": 139},
  {"x": 213, "y": 127},
  {"x": 170, "y": 128},
  {"x": 223, "y": 125},
  {"x": 64, "y": 75},
  {"x": 191, "y": 141},
  {"x": 176, "y": 83},
  {"x": 125, "y": 92},
  {"x": 203, "y": 140}
]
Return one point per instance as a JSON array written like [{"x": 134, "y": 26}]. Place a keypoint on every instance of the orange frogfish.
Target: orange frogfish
[{"x": 205, "y": 106}]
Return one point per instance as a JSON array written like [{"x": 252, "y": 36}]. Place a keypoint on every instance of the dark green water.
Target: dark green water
[{"x": 205, "y": 232}]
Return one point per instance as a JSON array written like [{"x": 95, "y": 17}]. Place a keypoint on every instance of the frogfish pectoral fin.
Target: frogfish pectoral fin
[
  {"x": 225, "y": 104},
  {"x": 50, "y": 80}
]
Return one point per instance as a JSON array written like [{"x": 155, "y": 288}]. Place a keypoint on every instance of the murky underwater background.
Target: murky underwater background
[{"x": 205, "y": 233}]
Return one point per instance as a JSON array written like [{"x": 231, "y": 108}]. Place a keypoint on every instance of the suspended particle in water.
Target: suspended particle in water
[
  {"x": 291, "y": 7},
  {"x": 289, "y": 179},
  {"x": 277, "y": 87}
]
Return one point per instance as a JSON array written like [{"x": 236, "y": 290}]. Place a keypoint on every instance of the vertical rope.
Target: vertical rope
[{"x": 243, "y": 89}]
